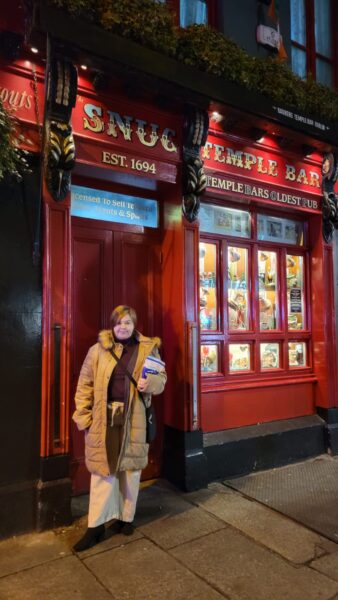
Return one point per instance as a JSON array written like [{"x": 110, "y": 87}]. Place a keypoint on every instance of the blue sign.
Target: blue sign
[{"x": 107, "y": 206}]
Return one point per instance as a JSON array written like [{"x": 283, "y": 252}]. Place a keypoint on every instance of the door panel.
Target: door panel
[
  {"x": 90, "y": 280},
  {"x": 111, "y": 267}
]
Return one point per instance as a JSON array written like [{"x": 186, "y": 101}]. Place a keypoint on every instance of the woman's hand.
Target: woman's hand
[{"x": 142, "y": 384}]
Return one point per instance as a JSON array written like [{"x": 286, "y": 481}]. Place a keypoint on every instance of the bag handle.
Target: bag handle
[{"x": 129, "y": 375}]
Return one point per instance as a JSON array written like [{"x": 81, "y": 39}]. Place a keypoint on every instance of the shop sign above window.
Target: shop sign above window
[{"x": 118, "y": 208}]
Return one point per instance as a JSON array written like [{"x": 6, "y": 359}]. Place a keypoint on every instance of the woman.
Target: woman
[{"x": 112, "y": 414}]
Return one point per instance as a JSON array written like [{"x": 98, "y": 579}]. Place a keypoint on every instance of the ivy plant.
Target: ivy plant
[
  {"x": 151, "y": 23},
  {"x": 12, "y": 160}
]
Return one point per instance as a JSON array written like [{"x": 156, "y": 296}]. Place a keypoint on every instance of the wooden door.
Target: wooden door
[{"x": 110, "y": 267}]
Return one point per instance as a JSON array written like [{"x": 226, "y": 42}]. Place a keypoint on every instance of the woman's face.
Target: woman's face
[{"x": 124, "y": 328}]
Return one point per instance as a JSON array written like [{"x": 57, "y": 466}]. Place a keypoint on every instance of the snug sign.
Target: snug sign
[{"x": 107, "y": 206}]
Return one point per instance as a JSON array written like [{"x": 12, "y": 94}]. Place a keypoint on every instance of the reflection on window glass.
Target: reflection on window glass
[
  {"x": 298, "y": 61},
  {"x": 267, "y": 276},
  {"x": 239, "y": 357},
  {"x": 324, "y": 72},
  {"x": 208, "y": 298},
  {"x": 209, "y": 358},
  {"x": 295, "y": 291},
  {"x": 323, "y": 29},
  {"x": 269, "y": 356},
  {"x": 297, "y": 354},
  {"x": 298, "y": 22},
  {"x": 193, "y": 11},
  {"x": 238, "y": 288},
  {"x": 275, "y": 229},
  {"x": 225, "y": 221}
]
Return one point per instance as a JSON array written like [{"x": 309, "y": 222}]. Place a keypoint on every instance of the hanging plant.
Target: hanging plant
[{"x": 12, "y": 160}]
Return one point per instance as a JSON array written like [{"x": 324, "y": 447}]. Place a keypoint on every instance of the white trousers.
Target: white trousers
[{"x": 113, "y": 497}]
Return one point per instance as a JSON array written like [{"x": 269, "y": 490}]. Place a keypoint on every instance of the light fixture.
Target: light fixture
[
  {"x": 84, "y": 67},
  {"x": 307, "y": 150},
  {"x": 258, "y": 134},
  {"x": 34, "y": 50},
  {"x": 216, "y": 117},
  {"x": 228, "y": 123},
  {"x": 283, "y": 141}
]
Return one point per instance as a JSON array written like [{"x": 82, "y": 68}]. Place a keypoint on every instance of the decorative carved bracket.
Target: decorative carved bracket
[
  {"x": 330, "y": 199},
  {"x": 194, "y": 180},
  {"x": 59, "y": 141}
]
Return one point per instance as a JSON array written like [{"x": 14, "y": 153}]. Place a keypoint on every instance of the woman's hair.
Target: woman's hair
[{"x": 121, "y": 311}]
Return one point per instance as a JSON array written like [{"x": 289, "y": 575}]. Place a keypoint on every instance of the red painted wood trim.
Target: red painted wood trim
[{"x": 56, "y": 310}]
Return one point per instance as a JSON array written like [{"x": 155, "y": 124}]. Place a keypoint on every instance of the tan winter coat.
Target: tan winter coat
[{"x": 91, "y": 404}]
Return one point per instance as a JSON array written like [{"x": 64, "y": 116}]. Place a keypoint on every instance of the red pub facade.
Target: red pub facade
[{"x": 242, "y": 295}]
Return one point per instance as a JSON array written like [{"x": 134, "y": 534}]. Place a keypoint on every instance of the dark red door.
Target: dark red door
[{"x": 111, "y": 266}]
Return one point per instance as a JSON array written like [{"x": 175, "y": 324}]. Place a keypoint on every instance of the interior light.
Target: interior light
[
  {"x": 34, "y": 50},
  {"x": 84, "y": 67}
]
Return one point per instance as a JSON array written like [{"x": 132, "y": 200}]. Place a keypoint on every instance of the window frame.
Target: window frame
[
  {"x": 310, "y": 40},
  {"x": 254, "y": 336}
]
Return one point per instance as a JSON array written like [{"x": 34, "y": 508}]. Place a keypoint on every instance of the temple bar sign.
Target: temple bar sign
[{"x": 89, "y": 203}]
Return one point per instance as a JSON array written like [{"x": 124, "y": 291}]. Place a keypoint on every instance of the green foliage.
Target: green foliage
[
  {"x": 146, "y": 21},
  {"x": 12, "y": 161},
  {"x": 209, "y": 50},
  {"x": 150, "y": 23}
]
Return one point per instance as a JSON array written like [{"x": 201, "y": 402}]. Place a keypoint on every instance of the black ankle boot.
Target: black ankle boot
[
  {"x": 127, "y": 528},
  {"x": 120, "y": 527},
  {"x": 93, "y": 536}
]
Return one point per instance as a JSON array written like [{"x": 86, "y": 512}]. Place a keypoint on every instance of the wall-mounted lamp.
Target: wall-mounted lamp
[
  {"x": 257, "y": 134},
  {"x": 99, "y": 81},
  {"x": 228, "y": 123},
  {"x": 283, "y": 142},
  {"x": 307, "y": 150}
]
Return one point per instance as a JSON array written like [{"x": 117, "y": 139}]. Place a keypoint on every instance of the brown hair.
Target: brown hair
[{"x": 121, "y": 311}]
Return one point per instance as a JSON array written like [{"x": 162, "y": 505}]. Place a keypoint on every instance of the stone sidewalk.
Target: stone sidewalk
[{"x": 206, "y": 545}]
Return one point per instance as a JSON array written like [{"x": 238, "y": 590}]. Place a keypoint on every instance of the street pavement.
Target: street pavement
[{"x": 207, "y": 545}]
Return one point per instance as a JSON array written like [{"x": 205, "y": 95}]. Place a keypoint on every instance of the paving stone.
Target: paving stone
[
  {"x": 63, "y": 579},
  {"x": 327, "y": 565},
  {"x": 142, "y": 570},
  {"x": 170, "y": 531},
  {"x": 243, "y": 570},
  {"x": 158, "y": 501},
  {"x": 27, "y": 551},
  {"x": 114, "y": 542},
  {"x": 291, "y": 540}
]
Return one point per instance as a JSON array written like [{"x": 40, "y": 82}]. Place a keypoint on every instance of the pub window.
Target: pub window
[
  {"x": 253, "y": 273},
  {"x": 312, "y": 39}
]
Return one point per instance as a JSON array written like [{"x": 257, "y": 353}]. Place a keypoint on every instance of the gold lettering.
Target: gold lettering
[
  {"x": 272, "y": 168},
  {"x": 302, "y": 177},
  {"x": 166, "y": 142},
  {"x": 290, "y": 173},
  {"x": 234, "y": 158},
  {"x": 260, "y": 167},
  {"x": 93, "y": 123},
  {"x": 218, "y": 156},
  {"x": 250, "y": 160},
  {"x": 314, "y": 179},
  {"x": 206, "y": 151}
]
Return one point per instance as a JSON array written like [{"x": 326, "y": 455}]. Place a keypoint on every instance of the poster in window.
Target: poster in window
[{"x": 295, "y": 300}]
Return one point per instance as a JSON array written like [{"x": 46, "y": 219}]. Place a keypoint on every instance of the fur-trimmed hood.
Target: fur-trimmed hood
[{"x": 106, "y": 339}]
